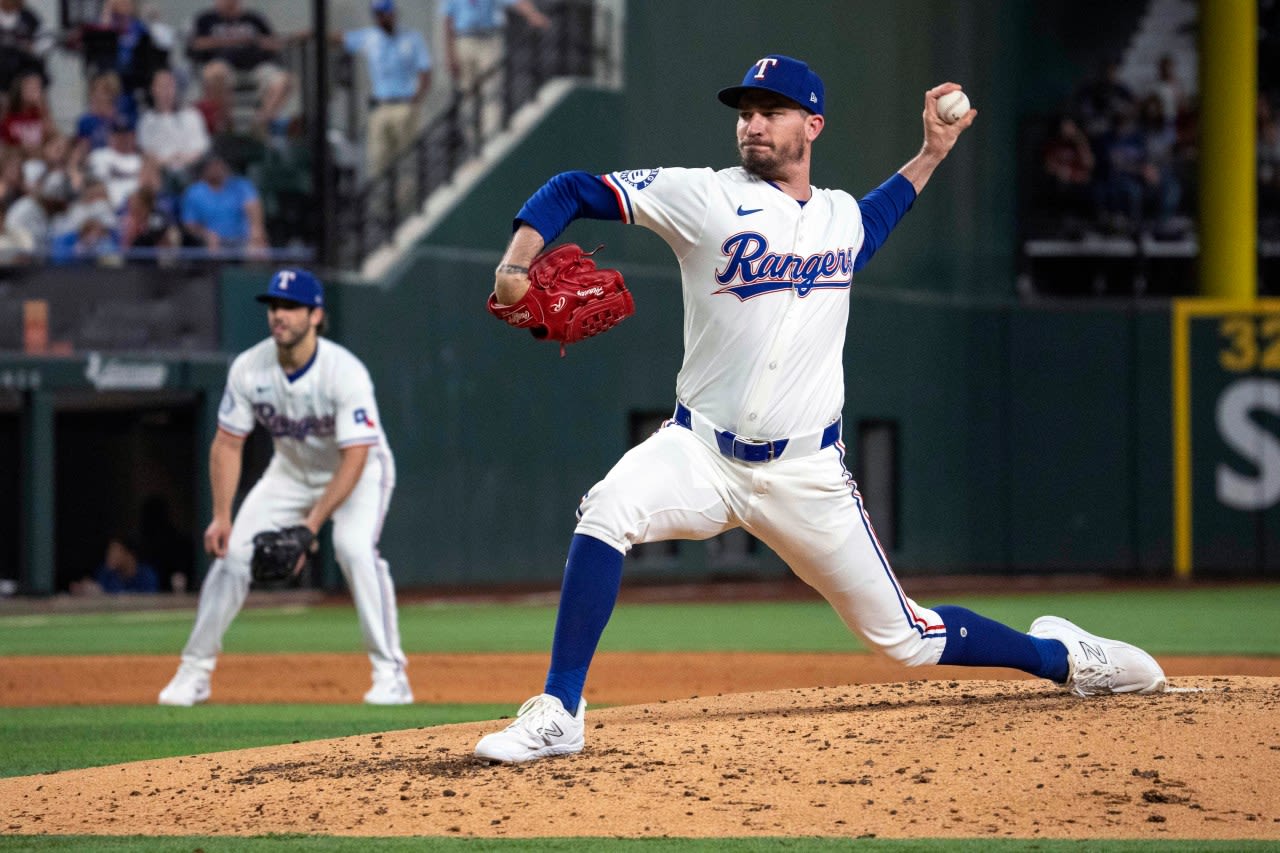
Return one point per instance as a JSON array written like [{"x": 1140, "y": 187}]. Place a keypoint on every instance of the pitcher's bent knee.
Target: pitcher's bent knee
[{"x": 913, "y": 650}]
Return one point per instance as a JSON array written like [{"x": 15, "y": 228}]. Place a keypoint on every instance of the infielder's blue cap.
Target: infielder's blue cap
[
  {"x": 788, "y": 77},
  {"x": 382, "y": 7},
  {"x": 295, "y": 285}
]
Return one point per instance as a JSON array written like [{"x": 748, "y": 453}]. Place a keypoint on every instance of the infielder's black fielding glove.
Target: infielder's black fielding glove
[{"x": 276, "y": 552}]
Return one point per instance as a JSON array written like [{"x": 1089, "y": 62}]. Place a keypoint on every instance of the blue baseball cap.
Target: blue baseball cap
[
  {"x": 295, "y": 285},
  {"x": 783, "y": 75},
  {"x": 382, "y": 7}
]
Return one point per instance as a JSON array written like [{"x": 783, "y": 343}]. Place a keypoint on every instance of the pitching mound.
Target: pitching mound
[{"x": 920, "y": 759}]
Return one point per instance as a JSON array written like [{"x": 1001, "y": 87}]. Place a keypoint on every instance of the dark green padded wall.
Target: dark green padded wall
[{"x": 1030, "y": 438}]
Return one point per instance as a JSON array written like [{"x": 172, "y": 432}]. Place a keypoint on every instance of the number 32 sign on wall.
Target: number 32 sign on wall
[{"x": 1226, "y": 418}]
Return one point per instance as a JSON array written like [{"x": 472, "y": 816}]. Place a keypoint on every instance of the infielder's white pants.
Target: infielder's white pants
[
  {"x": 808, "y": 510},
  {"x": 279, "y": 500}
]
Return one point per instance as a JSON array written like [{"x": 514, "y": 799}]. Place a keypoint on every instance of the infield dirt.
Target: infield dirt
[{"x": 939, "y": 758}]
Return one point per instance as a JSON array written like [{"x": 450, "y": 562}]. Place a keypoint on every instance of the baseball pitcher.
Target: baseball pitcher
[
  {"x": 330, "y": 460},
  {"x": 766, "y": 262}
]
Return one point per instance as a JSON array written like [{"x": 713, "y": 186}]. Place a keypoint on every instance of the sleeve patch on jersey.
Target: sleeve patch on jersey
[
  {"x": 638, "y": 178},
  {"x": 362, "y": 417}
]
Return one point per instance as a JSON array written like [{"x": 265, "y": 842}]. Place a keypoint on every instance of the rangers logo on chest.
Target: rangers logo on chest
[{"x": 752, "y": 270}]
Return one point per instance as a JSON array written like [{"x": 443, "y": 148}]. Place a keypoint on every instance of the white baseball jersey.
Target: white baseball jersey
[
  {"x": 311, "y": 415},
  {"x": 766, "y": 293}
]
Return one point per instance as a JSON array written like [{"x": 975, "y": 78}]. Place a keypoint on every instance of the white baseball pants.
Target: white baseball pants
[
  {"x": 808, "y": 510},
  {"x": 279, "y": 500}
]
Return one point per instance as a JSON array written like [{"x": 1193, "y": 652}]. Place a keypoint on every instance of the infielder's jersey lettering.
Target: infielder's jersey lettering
[
  {"x": 761, "y": 271},
  {"x": 283, "y": 426},
  {"x": 310, "y": 415}
]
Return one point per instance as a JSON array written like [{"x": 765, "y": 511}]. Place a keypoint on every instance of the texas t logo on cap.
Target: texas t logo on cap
[
  {"x": 295, "y": 285},
  {"x": 782, "y": 75}
]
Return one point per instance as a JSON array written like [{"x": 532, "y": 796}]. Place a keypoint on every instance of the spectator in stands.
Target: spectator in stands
[
  {"x": 28, "y": 122},
  {"x": 151, "y": 215},
  {"x": 12, "y": 185},
  {"x": 244, "y": 42},
  {"x": 92, "y": 240},
  {"x": 22, "y": 44},
  {"x": 119, "y": 164},
  {"x": 93, "y": 128},
  {"x": 1099, "y": 100},
  {"x": 1121, "y": 188},
  {"x": 135, "y": 58},
  {"x": 216, "y": 102},
  {"x": 174, "y": 135},
  {"x": 473, "y": 46},
  {"x": 1162, "y": 190},
  {"x": 27, "y": 222},
  {"x": 121, "y": 572},
  {"x": 1269, "y": 174},
  {"x": 1067, "y": 161},
  {"x": 1169, "y": 89},
  {"x": 223, "y": 210},
  {"x": 54, "y": 155},
  {"x": 399, "y": 79},
  {"x": 92, "y": 202}
]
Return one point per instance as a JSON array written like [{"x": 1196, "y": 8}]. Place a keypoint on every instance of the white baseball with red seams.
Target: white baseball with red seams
[{"x": 953, "y": 106}]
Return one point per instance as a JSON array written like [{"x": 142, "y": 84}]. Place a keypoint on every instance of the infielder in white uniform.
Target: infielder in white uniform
[
  {"x": 766, "y": 263},
  {"x": 330, "y": 460}
]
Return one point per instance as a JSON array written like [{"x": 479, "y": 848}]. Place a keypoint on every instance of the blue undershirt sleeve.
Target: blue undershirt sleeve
[
  {"x": 882, "y": 209},
  {"x": 564, "y": 198}
]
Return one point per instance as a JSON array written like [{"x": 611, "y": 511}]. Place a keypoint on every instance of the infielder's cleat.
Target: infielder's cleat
[
  {"x": 1098, "y": 666},
  {"x": 542, "y": 728},
  {"x": 188, "y": 687},
  {"x": 389, "y": 691}
]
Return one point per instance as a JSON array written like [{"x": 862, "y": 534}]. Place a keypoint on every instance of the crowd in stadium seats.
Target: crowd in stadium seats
[
  {"x": 143, "y": 167},
  {"x": 1119, "y": 162}
]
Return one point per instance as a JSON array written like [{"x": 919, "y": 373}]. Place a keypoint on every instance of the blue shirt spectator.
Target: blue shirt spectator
[
  {"x": 122, "y": 571},
  {"x": 472, "y": 17},
  {"x": 395, "y": 60},
  {"x": 223, "y": 209}
]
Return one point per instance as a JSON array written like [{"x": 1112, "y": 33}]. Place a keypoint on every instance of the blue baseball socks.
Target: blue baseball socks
[
  {"x": 592, "y": 578},
  {"x": 974, "y": 640}
]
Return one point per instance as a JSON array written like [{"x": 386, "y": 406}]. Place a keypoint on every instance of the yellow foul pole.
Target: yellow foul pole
[{"x": 1228, "y": 144}]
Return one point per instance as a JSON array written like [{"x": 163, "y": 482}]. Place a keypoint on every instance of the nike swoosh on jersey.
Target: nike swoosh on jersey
[{"x": 742, "y": 212}]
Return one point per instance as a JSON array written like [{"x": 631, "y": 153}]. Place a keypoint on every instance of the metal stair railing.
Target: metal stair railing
[{"x": 367, "y": 215}]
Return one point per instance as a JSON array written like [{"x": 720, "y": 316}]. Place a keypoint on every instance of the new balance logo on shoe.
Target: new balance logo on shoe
[
  {"x": 542, "y": 728},
  {"x": 1093, "y": 652}
]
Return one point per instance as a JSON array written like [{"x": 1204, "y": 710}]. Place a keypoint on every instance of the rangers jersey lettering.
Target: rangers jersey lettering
[
  {"x": 766, "y": 292},
  {"x": 328, "y": 405}
]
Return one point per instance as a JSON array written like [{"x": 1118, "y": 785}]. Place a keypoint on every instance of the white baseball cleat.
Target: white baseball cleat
[
  {"x": 1098, "y": 666},
  {"x": 390, "y": 690},
  {"x": 189, "y": 686},
  {"x": 542, "y": 728}
]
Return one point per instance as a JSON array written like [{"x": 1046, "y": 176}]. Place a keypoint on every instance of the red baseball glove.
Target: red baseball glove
[{"x": 569, "y": 299}]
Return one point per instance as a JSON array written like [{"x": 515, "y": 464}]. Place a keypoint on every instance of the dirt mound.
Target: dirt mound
[{"x": 920, "y": 759}]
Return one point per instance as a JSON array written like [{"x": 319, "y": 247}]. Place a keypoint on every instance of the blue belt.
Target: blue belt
[{"x": 748, "y": 450}]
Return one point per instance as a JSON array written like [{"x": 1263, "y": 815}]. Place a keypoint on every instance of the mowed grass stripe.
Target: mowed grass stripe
[{"x": 1238, "y": 620}]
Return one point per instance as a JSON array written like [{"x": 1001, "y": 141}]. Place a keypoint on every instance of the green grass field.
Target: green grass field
[
  {"x": 1235, "y": 620},
  {"x": 1238, "y": 620}
]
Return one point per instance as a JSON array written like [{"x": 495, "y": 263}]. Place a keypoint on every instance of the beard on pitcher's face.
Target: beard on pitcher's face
[{"x": 770, "y": 160}]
